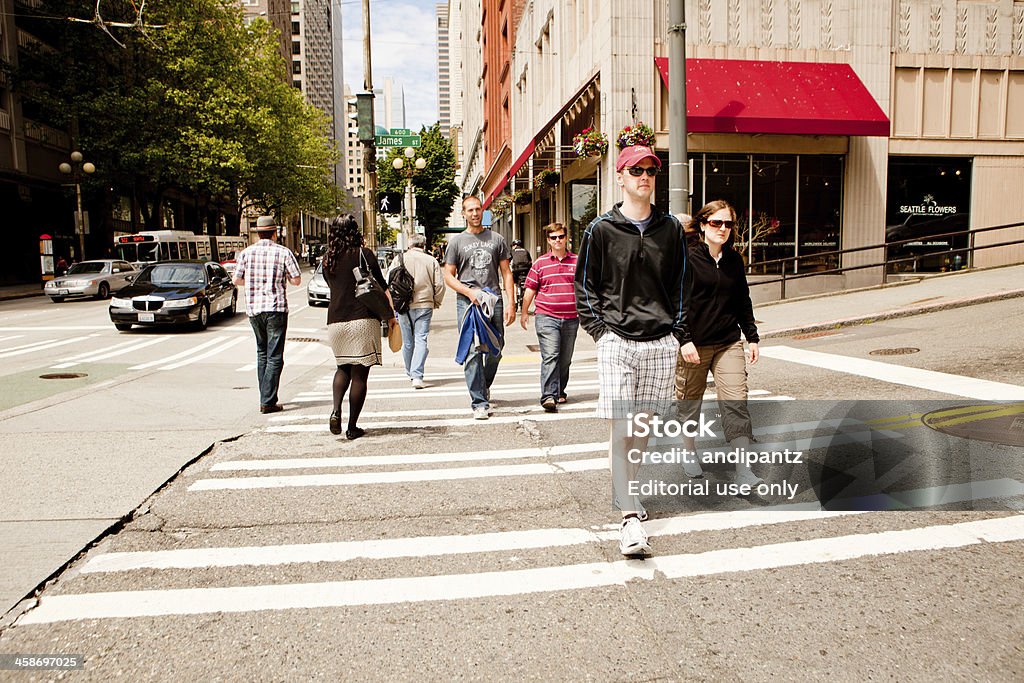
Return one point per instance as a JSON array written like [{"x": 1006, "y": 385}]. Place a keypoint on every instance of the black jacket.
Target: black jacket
[
  {"x": 631, "y": 283},
  {"x": 719, "y": 305}
]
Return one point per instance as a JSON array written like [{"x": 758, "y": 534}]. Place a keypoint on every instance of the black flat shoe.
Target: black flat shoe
[
  {"x": 354, "y": 433},
  {"x": 335, "y": 422}
]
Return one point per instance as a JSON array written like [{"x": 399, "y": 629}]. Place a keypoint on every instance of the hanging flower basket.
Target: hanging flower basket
[
  {"x": 502, "y": 205},
  {"x": 522, "y": 197},
  {"x": 637, "y": 134},
  {"x": 547, "y": 177},
  {"x": 590, "y": 143}
]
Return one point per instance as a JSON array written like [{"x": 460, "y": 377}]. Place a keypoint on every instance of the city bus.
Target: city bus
[{"x": 165, "y": 245}]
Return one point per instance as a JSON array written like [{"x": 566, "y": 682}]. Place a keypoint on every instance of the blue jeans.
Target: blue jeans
[
  {"x": 557, "y": 339},
  {"x": 415, "y": 326},
  {"x": 480, "y": 368},
  {"x": 270, "y": 329}
]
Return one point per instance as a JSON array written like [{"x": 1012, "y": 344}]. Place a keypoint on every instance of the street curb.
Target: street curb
[
  {"x": 25, "y": 295},
  {"x": 892, "y": 314}
]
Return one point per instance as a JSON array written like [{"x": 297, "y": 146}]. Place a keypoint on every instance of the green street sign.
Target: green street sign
[
  {"x": 397, "y": 140},
  {"x": 401, "y": 131}
]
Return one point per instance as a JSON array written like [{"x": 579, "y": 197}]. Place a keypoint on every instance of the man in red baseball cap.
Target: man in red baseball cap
[{"x": 630, "y": 291}]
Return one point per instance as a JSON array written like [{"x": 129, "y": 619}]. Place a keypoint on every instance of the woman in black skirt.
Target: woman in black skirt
[{"x": 353, "y": 332}]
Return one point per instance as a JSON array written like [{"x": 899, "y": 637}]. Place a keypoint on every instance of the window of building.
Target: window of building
[
  {"x": 295, "y": 28},
  {"x": 296, "y": 47},
  {"x": 296, "y": 67}
]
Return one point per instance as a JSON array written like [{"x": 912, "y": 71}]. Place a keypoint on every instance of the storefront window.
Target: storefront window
[
  {"x": 582, "y": 195},
  {"x": 821, "y": 202},
  {"x": 771, "y": 224},
  {"x": 928, "y": 213}
]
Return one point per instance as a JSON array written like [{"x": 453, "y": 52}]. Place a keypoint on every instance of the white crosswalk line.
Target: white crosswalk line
[
  {"x": 956, "y": 385},
  {"x": 25, "y": 346},
  {"x": 449, "y": 587},
  {"x": 11, "y": 337},
  {"x": 43, "y": 346},
  {"x": 203, "y": 356},
  {"x": 177, "y": 356},
  {"x": 511, "y": 541},
  {"x": 437, "y": 412},
  {"x": 112, "y": 352},
  {"x": 455, "y": 422}
]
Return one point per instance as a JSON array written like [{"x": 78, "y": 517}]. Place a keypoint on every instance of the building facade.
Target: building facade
[
  {"x": 829, "y": 124},
  {"x": 444, "y": 74}
]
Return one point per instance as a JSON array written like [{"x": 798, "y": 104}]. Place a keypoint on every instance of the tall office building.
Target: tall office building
[
  {"x": 352, "y": 156},
  {"x": 389, "y": 105},
  {"x": 444, "y": 91},
  {"x": 279, "y": 14}
]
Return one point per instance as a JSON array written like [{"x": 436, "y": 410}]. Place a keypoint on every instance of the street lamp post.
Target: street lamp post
[
  {"x": 399, "y": 165},
  {"x": 76, "y": 172}
]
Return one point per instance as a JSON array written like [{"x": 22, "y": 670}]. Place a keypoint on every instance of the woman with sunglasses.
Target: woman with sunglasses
[{"x": 719, "y": 309}]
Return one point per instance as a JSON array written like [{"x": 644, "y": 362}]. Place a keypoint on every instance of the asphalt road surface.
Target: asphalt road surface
[{"x": 439, "y": 547}]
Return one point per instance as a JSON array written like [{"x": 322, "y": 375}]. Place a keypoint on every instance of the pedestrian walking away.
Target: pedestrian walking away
[
  {"x": 477, "y": 263},
  {"x": 353, "y": 331},
  {"x": 719, "y": 308},
  {"x": 263, "y": 271},
  {"x": 550, "y": 283},
  {"x": 520, "y": 263},
  {"x": 427, "y": 295},
  {"x": 630, "y": 292}
]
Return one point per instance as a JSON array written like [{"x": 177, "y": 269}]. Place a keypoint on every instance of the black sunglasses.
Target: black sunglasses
[
  {"x": 557, "y": 237},
  {"x": 637, "y": 171},
  {"x": 715, "y": 223}
]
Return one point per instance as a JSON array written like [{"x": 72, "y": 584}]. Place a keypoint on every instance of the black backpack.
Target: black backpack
[{"x": 401, "y": 285}]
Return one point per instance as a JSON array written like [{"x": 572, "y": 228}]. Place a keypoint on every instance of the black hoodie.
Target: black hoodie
[
  {"x": 719, "y": 305},
  {"x": 632, "y": 283}
]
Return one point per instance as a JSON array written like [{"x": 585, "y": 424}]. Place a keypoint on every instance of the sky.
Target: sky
[{"x": 404, "y": 47}]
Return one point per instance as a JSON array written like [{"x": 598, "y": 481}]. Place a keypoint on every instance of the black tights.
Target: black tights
[{"x": 356, "y": 375}]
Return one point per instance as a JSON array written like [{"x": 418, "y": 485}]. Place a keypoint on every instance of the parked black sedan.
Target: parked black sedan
[{"x": 175, "y": 293}]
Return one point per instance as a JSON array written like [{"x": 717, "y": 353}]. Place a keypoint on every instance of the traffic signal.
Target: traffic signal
[
  {"x": 364, "y": 116},
  {"x": 389, "y": 202}
]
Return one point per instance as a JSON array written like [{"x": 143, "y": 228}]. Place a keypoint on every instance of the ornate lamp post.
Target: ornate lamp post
[
  {"x": 76, "y": 171},
  {"x": 399, "y": 165}
]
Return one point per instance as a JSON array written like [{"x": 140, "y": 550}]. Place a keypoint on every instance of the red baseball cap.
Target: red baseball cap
[{"x": 631, "y": 156}]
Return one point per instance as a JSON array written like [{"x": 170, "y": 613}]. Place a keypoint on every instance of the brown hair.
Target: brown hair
[
  {"x": 467, "y": 198},
  {"x": 695, "y": 229},
  {"x": 552, "y": 227}
]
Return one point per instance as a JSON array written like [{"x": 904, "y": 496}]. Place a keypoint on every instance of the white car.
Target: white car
[
  {"x": 97, "y": 278},
  {"x": 317, "y": 291}
]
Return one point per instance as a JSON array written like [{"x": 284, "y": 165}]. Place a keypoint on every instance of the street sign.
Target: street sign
[
  {"x": 389, "y": 202},
  {"x": 397, "y": 140},
  {"x": 401, "y": 131}
]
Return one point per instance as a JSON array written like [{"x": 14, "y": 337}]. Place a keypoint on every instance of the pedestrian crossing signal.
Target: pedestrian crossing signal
[{"x": 389, "y": 202}]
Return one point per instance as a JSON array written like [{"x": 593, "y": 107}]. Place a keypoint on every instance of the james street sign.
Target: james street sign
[{"x": 397, "y": 140}]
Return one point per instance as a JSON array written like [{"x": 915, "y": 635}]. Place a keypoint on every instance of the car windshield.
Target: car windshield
[
  {"x": 86, "y": 268},
  {"x": 173, "y": 274}
]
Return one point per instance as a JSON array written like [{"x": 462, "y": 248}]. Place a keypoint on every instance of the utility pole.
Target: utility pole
[
  {"x": 678, "y": 169},
  {"x": 369, "y": 149}
]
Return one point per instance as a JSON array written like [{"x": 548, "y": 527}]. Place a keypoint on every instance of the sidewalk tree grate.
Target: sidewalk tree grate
[
  {"x": 64, "y": 375},
  {"x": 304, "y": 339},
  {"x": 899, "y": 351}
]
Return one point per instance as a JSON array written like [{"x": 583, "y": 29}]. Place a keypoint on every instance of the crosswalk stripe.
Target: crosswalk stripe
[
  {"x": 432, "y": 546},
  {"x": 432, "y": 377},
  {"x": 449, "y": 587},
  {"x": 177, "y": 356},
  {"x": 438, "y": 412},
  {"x": 43, "y": 346},
  {"x": 112, "y": 352},
  {"x": 203, "y": 356},
  {"x": 454, "y": 422},
  {"x": 11, "y": 337},
  {"x": 451, "y": 390},
  {"x": 25, "y": 346},
  {"x": 941, "y": 382}
]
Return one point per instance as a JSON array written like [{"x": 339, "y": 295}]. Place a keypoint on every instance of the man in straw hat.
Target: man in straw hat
[{"x": 262, "y": 272}]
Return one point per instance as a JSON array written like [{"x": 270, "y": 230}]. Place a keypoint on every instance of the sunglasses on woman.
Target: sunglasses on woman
[
  {"x": 637, "y": 171},
  {"x": 715, "y": 223}
]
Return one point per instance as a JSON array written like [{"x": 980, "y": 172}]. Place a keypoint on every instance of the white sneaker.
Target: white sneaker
[
  {"x": 417, "y": 383},
  {"x": 633, "y": 538},
  {"x": 744, "y": 475},
  {"x": 692, "y": 469},
  {"x": 480, "y": 413}
]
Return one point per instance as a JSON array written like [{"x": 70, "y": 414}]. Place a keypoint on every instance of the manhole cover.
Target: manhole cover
[
  {"x": 63, "y": 375},
  {"x": 901, "y": 351},
  {"x": 815, "y": 335},
  {"x": 995, "y": 423},
  {"x": 303, "y": 339}
]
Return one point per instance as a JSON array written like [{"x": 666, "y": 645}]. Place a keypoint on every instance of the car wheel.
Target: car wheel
[
  {"x": 57, "y": 299},
  {"x": 204, "y": 316},
  {"x": 122, "y": 327},
  {"x": 229, "y": 312},
  {"x": 103, "y": 291}
]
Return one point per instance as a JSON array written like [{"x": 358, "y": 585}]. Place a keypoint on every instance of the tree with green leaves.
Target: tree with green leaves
[{"x": 434, "y": 186}]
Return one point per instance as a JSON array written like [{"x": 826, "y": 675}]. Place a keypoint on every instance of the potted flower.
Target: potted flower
[
  {"x": 547, "y": 177},
  {"x": 590, "y": 142},
  {"x": 637, "y": 134},
  {"x": 502, "y": 205},
  {"x": 522, "y": 197}
]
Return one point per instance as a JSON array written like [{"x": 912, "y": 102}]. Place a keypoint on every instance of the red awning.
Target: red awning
[
  {"x": 789, "y": 98},
  {"x": 518, "y": 164}
]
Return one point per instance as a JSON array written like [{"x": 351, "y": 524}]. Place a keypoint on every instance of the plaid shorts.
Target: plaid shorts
[{"x": 635, "y": 375}]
